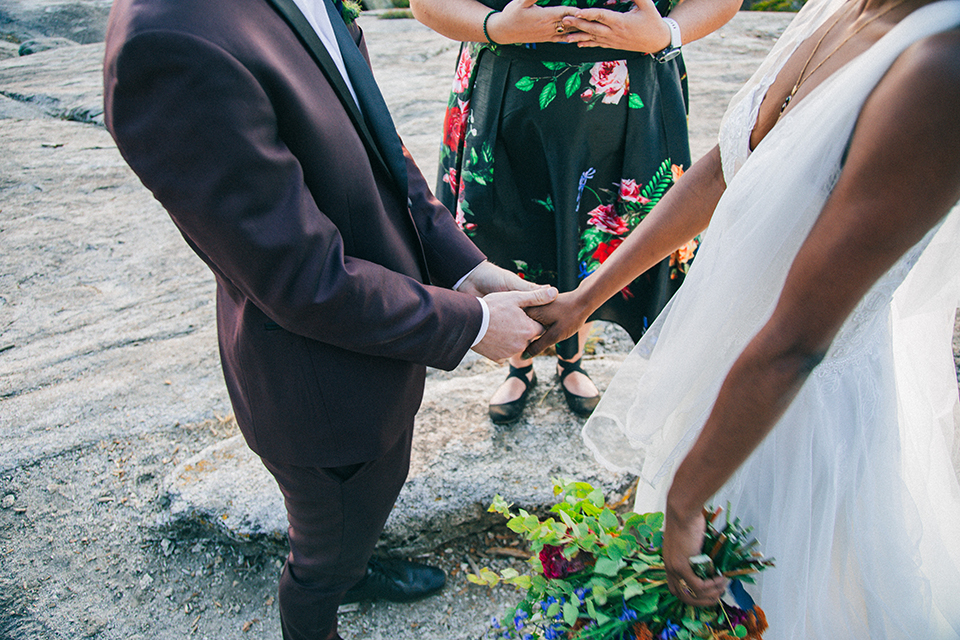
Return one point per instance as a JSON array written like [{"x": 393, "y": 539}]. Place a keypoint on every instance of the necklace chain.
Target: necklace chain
[{"x": 801, "y": 79}]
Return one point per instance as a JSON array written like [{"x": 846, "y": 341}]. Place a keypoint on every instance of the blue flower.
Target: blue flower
[
  {"x": 494, "y": 622},
  {"x": 628, "y": 614},
  {"x": 518, "y": 619},
  {"x": 669, "y": 631}
]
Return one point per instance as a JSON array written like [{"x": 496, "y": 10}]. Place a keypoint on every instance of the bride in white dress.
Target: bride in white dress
[{"x": 803, "y": 373}]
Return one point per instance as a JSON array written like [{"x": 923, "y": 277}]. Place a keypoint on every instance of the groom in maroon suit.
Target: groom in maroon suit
[{"x": 258, "y": 126}]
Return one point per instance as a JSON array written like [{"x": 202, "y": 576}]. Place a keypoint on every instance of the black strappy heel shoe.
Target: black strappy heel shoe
[
  {"x": 509, "y": 411},
  {"x": 580, "y": 405}
]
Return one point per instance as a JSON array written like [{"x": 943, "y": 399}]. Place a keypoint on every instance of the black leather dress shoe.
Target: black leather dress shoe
[{"x": 396, "y": 581}]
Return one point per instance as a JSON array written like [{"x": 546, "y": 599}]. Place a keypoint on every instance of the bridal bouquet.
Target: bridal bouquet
[{"x": 599, "y": 576}]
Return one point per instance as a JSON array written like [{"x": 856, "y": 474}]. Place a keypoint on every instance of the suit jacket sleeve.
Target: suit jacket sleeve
[{"x": 201, "y": 132}]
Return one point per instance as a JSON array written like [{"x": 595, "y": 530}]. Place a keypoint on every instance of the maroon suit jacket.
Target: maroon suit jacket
[{"x": 333, "y": 273}]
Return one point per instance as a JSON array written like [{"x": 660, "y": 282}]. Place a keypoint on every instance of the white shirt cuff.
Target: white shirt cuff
[
  {"x": 486, "y": 310},
  {"x": 484, "y": 323},
  {"x": 456, "y": 287}
]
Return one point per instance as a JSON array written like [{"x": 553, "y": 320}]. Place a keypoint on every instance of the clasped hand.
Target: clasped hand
[
  {"x": 507, "y": 296},
  {"x": 639, "y": 29}
]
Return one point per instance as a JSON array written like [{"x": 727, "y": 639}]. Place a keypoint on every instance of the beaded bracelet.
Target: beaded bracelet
[{"x": 487, "y": 35}]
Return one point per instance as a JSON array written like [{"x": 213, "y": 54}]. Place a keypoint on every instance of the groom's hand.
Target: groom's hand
[
  {"x": 489, "y": 278},
  {"x": 510, "y": 329}
]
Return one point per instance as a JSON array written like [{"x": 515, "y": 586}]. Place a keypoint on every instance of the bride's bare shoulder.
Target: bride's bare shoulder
[{"x": 931, "y": 66}]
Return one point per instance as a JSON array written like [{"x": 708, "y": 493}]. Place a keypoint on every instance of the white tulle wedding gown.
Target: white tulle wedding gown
[{"x": 854, "y": 491}]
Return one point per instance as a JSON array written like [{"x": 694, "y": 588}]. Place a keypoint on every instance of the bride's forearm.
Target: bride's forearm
[{"x": 683, "y": 212}]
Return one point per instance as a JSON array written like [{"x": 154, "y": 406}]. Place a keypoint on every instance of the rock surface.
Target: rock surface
[{"x": 112, "y": 405}]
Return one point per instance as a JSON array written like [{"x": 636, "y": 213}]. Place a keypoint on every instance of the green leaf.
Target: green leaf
[
  {"x": 548, "y": 93},
  {"x": 608, "y": 566},
  {"x": 489, "y": 576},
  {"x": 631, "y": 589},
  {"x": 646, "y": 604},
  {"x": 599, "y": 594},
  {"x": 553, "y": 610},
  {"x": 572, "y": 85},
  {"x": 596, "y": 497},
  {"x": 570, "y": 612},
  {"x": 635, "y": 102},
  {"x": 609, "y": 520},
  {"x": 567, "y": 520},
  {"x": 526, "y": 83},
  {"x": 500, "y": 505},
  {"x": 554, "y": 66}
]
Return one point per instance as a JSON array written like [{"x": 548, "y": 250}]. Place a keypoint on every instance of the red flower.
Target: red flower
[
  {"x": 606, "y": 248},
  {"x": 454, "y": 124},
  {"x": 606, "y": 219},
  {"x": 555, "y": 565},
  {"x": 586, "y": 95}
]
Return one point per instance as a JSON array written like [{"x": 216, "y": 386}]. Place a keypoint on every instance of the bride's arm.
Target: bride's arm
[
  {"x": 683, "y": 212},
  {"x": 901, "y": 177}
]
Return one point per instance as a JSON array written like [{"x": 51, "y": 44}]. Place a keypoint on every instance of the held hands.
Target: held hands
[
  {"x": 561, "y": 319},
  {"x": 489, "y": 278},
  {"x": 525, "y": 21},
  {"x": 510, "y": 329},
  {"x": 683, "y": 539},
  {"x": 640, "y": 29}
]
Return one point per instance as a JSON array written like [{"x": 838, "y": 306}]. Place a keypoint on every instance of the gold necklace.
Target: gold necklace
[{"x": 801, "y": 79}]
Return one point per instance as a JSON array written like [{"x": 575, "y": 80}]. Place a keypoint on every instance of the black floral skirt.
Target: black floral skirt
[{"x": 552, "y": 154}]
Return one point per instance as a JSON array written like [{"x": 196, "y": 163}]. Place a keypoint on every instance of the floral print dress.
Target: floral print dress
[{"x": 552, "y": 154}]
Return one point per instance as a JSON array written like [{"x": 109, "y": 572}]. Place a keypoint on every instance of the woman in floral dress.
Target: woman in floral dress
[{"x": 552, "y": 152}]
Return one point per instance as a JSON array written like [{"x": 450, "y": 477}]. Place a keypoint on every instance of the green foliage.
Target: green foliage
[
  {"x": 777, "y": 5},
  {"x": 598, "y": 574},
  {"x": 350, "y": 11},
  {"x": 396, "y": 14}
]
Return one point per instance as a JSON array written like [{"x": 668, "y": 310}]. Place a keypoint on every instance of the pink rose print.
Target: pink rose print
[
  {"x": 610, "y": 78},
  {"x": 450, "y": 177},
  {"x": 606, "y": 219},
  {"x": 462, "y": 78},
  {"x": 630, "y": 192},
  {"x": 586, "y": 95}
]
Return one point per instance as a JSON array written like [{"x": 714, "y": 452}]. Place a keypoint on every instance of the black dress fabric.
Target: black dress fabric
[{"x": 552, "y": 153}]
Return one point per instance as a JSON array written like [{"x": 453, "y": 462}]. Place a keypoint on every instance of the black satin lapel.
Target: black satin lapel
[
  {"x": 293, "y": 16},
  {"x": 371, "y": 100}
]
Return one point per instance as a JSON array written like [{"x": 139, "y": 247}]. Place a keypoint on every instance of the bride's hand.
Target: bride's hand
[
  {"x": 683, "y": 539},
  {"x": 640, "y": 29},
  {"x": 562, "y": 318}
]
